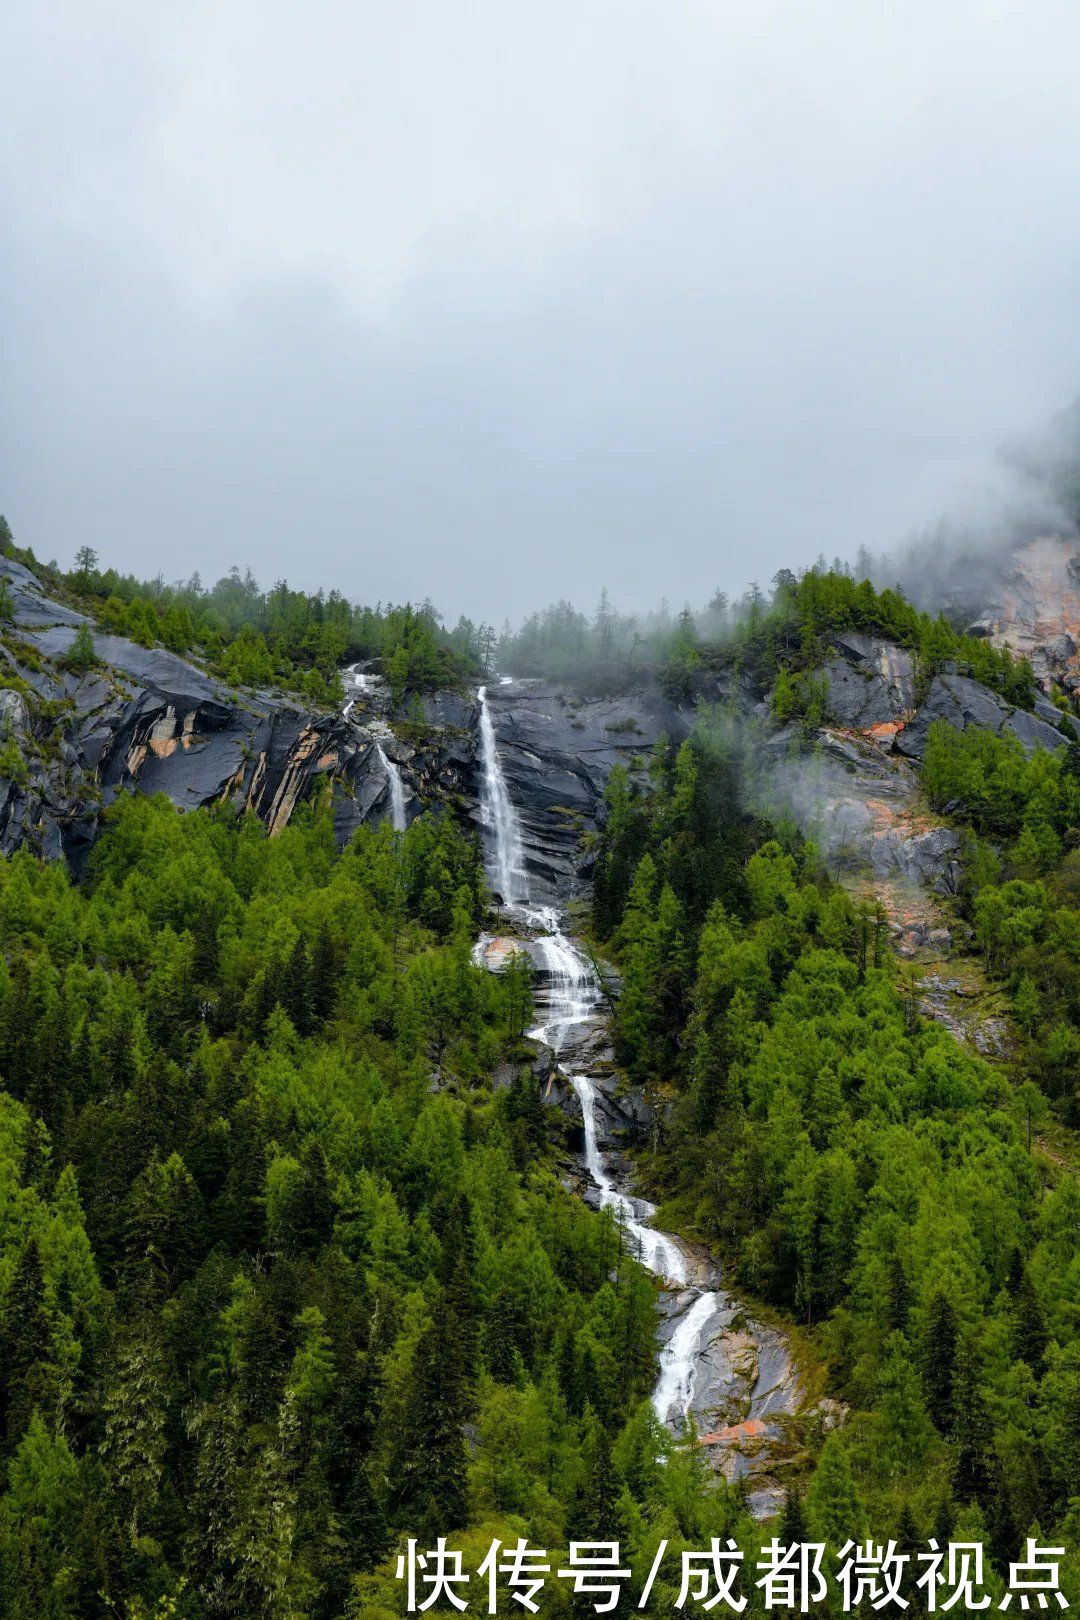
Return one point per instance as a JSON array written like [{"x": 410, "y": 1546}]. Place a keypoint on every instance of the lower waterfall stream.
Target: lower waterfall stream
[{"x": 717, "y": 1368}]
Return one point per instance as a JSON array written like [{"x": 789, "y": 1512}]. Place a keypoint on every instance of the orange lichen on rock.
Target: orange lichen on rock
[
  {"x": 736, "y": 1433},
  {"x": 498, "y": 951}
]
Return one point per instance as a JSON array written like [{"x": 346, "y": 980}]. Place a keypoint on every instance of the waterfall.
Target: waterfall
[
  {"x": 674, "y": 1390},
  {"x": 506, "y": 867},
  {"x": 570, "y": 998},
  {"x": 658, "y": 1252},
  {"x": 568, "y": 1002},
  {"x": 362, "y": 684},
  {"x": 397, "y": 790},
  {"x": 568, "y": 992}
]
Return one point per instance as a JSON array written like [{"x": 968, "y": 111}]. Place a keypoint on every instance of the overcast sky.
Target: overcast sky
[{"x": 498, "y": 302}]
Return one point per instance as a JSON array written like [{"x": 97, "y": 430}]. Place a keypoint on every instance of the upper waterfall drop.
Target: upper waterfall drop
[
  {"x": 506, "y": 856},
  {"x": 397, "y": 791}
]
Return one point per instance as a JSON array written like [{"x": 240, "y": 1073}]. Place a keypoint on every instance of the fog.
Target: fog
[{"x": 499, "y": 304}]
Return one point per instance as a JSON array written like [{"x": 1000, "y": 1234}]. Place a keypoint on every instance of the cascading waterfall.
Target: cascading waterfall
[
  {"x": 509, "y": 877},
  {"x": 362, "y": 684},
  {"x": 568, "y": 1000},
  {"x": 397, "y": 790}
]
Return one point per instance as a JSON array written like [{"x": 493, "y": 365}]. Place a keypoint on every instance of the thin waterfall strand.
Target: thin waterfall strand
[
  {"x": 506, "y": 856},
  {"x": 397, "y": 790}
]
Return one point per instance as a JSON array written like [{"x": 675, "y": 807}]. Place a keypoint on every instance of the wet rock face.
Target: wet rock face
[
  {"x": 859, "y": 800},
  {"x": 928, "y": 858},
  {"x": 871, "y": 682},
  {"x": 557, "y": 751},
  {"x": 149, "y": 721}
]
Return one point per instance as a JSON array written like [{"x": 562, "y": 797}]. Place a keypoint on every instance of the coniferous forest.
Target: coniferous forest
[
  {"x": 513, "y": 1109},
  {"x": 290, "y": 1267}
]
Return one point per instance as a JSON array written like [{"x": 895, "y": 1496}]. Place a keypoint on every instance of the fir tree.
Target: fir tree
[
  {"x": 600, "y": 1490},
  {"x": 431, "y": 1485},
  {"x": 972, "y": 1429},
  {"x": 1029, "y": 1333},
  {"x": 939, "y": 1361}
]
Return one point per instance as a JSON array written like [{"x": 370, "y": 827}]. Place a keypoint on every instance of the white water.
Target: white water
[
  {"x": 360, "y": 680},
  {"x": 507, "y": 867},
  {"x": 397, "y": 790},
  {"x": 363, "y": 683},
  {"x": 678, "y": 1360},
  {"x": 569, "y": 1000}
]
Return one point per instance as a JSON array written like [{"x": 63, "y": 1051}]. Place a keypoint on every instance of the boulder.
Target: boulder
[
  {"x": 871, "y": 681},
  {"x": 964, "y": 702},
  {"x": 929, "y": 857}
]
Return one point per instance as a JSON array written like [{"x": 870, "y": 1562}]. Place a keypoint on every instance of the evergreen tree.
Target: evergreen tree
[
  {"x": 972, "y": 1429},
  {"x": 430, "y": 1488},
  {"x": 939, "y": 1361},
  {"x": 793, "y": 1527},
  {"x": 1029, "y": 1325},
  {"x": 600, "y": 1490},
  {"x": 134, "y": 1412},
  {"x": 899, "y": 1297},
  {"x": 833, "y": 1507},
  {"x": 31, "y": 1378}
]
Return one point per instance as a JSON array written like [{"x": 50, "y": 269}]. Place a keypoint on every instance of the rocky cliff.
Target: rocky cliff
[
  {"x": 1032, "y": 606},
  {"x": 557, "y": 752},
  {"x": 149, "y": 721}
]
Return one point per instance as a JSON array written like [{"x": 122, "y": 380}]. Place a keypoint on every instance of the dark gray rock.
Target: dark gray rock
[
  {"x": 145, "y": 720},
  {"x": 858, "y": 697},
  {"x": 450, "y": 710},
  {"x": 31, "y": 607},
  {"x": 929, "y": 859},
  {"x": 153, "y": 667},
  {"x": 964, "y": 702},
  {"x": 1059, "y": 649},
  {"x": 888, "y": 673},
  {"x": 557, "y": 752},
  {"x": 1046, "y": 710},
  {"x": 1034, "y": 732},
  {"x": 20, "y": 575}
]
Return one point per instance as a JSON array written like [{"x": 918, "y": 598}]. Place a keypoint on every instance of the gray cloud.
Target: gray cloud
[{"x": 503, "y": 303}]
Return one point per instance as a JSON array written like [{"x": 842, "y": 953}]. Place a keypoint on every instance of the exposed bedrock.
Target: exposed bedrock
[
  {"x": 557, "y": 752},
  {"x": 963, "y": 702},
  {"x": 1032, "y": 606},
  {"x": 147, "y": 720}
]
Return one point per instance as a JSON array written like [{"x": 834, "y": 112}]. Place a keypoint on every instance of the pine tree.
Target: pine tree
[
  {"x": 793, "y": 1527},
  {"x": 31, "y": 1380},
  {"x": 363, "y": 1523},
  {"x": 459, "y": 1287},
  {"x": 501, "y": 1354},
  {"x": 134, "y": 1413},
  {"x": 325, "y": 975},
  {"x": 82, "y": 652},
  {"x": 600, "y": 1489},
  {"x": 939, "y": 1361},
  {"x": 165, "y": 1227},
  {"x": 299, "y": 1001},
  {"x": 1029, "y": 1333},
  {"x": 517, "y": 990},
  {"x": 431, "y": 1484},
  {"x": 972, "y": 1429},
  {"x": 899, "y": 1303},
  {"x": 832, "y": 1502}
]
